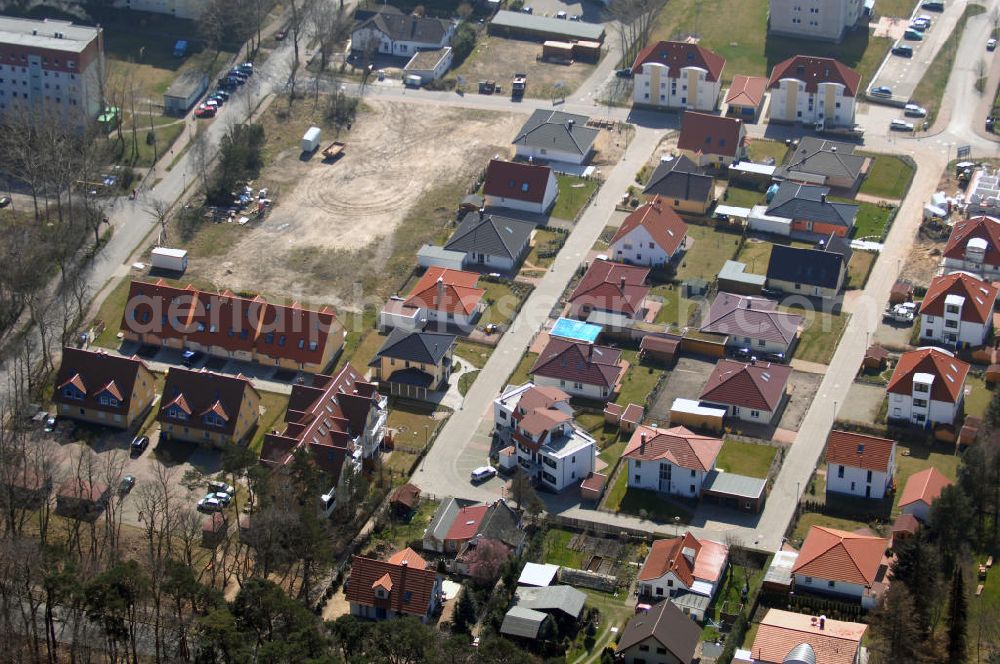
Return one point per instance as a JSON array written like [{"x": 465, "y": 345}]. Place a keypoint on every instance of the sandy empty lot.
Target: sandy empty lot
[{"x": 395, "y": 154}]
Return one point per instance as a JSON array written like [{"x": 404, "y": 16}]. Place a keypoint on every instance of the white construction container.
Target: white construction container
[
  {"x": 175, "y": 260},
  {"x": 310, "y": 141}
]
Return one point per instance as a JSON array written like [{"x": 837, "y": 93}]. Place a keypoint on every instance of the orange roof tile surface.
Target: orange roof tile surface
[
  {"x": 667, "y": 555},
  {"x": 859, "y": 451},
  {"x": 746, "y": 90},
  {"x": 837, "y": 555},
  {"x": 412, "y": 558},
  {"x": 451, "y": 291},
  {"x": 979, "y": 295},
  {"x": 780, "y": 631},
  {"x": 949, "y": 373},
  {"x": 924, "y": 486},
  {"x": 664, "y": 225},
  {"x": 678, "y": 445}
]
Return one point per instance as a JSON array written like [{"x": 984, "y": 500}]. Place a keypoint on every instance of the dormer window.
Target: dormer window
[
  {"x": 71, "y": 392},
  {"x": 108, "y": 400},
  {"x": 176, "y": 413},
  {"x": 921, "y": 387},
  {"x": 213, "y": 420}
]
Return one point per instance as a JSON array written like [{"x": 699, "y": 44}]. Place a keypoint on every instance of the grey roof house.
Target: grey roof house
[
  {"x": 816, "y": 272},
  {"x": 810, "y": 210},
  {"x": 524, "y": 623},
  {"x": 490, "y": 242},
  {"x": 682, "y": 184},
  {"x": 533, "y": 606},
  {"x": 556, "y": 136},
  {"x": 414, "y": 364},
  {"x": 663, "y": 630},
  {"x": 392, "y": 32},
  {"x": 753, "y": 323},
  {"x": 824, "y": 162}
]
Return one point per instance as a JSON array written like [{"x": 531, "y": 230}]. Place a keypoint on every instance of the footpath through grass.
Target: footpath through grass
[{"x": 931, "y": 88}]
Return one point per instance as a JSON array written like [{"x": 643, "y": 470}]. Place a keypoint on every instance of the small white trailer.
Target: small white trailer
[
  {"x": 310, "y": 141},
  {"x": 175, "y": 260}
]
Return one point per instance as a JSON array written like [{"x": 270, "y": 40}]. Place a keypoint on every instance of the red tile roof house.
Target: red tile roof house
[
  {"x": 753, "y": 323},
  {"x": 82, "y": 499},
  {"x": 927, "y": 387},
  {"x": 233, "y": 327},
  {"x": 683, "y": 566},
  {"x": 836, "y": 562},
  {"x": 100, "y": 388},
  {"x": 653, "y": 235},
  {"x": 580, "y": 369},
  {"x": 745, "y": 97},
  {"x": 810, "y": 89},
  {"x": 859, "y": 465},
  {"x": 395, "y": 588},
  {"x": 957, "y": 310},
  {"x": 520, "y": 186},
  {"x": 974, "y": 246},
  {"x": 24, "y": 487},
  {"x": 712, "y": 140},
  {"x": 611, "y": 287},
  {"x": 673, "y": 75},
  {"x": 749, "y": 391},
  {"x": 207, "y": 408},
  {"x": 920, "y": 492},
  {"x": 335, "y": 419},
  {"x": 673, "y": 461},
  {"x": 443, "y": 299},
  {"x": 784, "y": 636}
]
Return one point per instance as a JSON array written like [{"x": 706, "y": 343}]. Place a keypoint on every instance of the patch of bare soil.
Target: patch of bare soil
[{"x": 349, "y": 211}]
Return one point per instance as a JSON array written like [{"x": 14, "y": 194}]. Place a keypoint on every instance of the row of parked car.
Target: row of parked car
[
  {"x": 218, "y": 497},
  {"x": 236, "y": 77}
]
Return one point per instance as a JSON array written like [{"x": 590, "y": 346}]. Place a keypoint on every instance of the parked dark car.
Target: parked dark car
[
  {"x": 623, "y": 73},
  {"x": 139, "y": 444}
]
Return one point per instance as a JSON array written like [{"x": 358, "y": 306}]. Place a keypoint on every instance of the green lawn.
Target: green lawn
[
  {"x": 640, "y": 502},
  {"x": 710, "y": 251},
  {"x": 594, "y": 424},
  {"x": 574, "y": 193},
  {"x": 466, "y": 380},
  {"x": 520, "y": 374},
  {"x": 273, "y": 406},
  {"x": 979, "y": 398},
  {"x": 760, "y": 149},
  {"x": 413, "y": 421},
  {"x": 502, "y": 302},
  {"x": 871, "y": 221},
  {"x": 756, "y": 254},
  {"x": 402, "y": 534},
  {"x": 742, "y": 197},
  {"x": 612, "y": 453},
  {"x": 810, "y": 519},
  {"x": 730, "y": 592},
  {"x": 544, "y": 241},
  {"x": 738, "y": 32},
  {"x": 931, "y": 87},
  {"x": 888, "y": 177},
  {"x": 556, "y": 551},
  {"x": 821, "y": 335},
  {"x": 745, "y": 458},
  {"x": 638, "y": 381},
  {"x": 165, "y": 137},
  {"x": 359, "y": 349},
  {"x": 676, "y": 310},
  {"x": 615, "y": 612},
  {"x": 472, "y": 353},
  {"x": 919, "y": 457},
  {"x": 859, "y": 267},
  {"x": 895, "y": 8},
  {"x": 110, "y": 313}
]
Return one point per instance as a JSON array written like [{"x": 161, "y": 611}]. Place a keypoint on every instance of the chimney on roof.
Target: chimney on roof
[
  {"x": 440, "y": 290},
  {"x": 621, "y": 282},
  {"x": 482, "y": 213},
  {"x": 822, "y": 197},
  {"x": 822, "y": 622},
  {"x": 642, "y": 443},
  {"x": 833, "y": 148},
  {"x": 569, "y": 124},
  {"x": 753, "y": 361}
]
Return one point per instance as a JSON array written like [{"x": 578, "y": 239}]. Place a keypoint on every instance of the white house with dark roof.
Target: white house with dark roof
[
  {"x": 556, "y": 136},
  {"x": 809, "y": 211},
  {"x": 491, "y": 243},
  {"x": 682, "y": 185},
  {"x": 819, "y": 271},
  {"x": 749, "y": 391},
  {"x": 392, "y": 32},
  {"x": 859, "y": 465},
  {"x": 673, "y": 461},
  {"x": 661, "y": 635},
  {"x": 753, "y": 323},
  {"x": 824, "y": 162},
  {"x": 520, "y": 186},
  {"x": 580, "y": 369}
]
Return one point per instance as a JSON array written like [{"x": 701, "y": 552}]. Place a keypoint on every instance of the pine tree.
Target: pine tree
[
  {"x": 958, "y": 617},
  {"x": 465, "y": 611}
]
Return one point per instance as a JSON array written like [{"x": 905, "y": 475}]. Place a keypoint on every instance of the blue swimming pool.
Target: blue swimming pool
[{"x": 576, "y": 330}]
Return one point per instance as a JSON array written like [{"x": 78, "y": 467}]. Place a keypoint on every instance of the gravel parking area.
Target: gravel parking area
[
  {"x": 685, "y": 380},
  {"x": 893, "y": 336}
]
